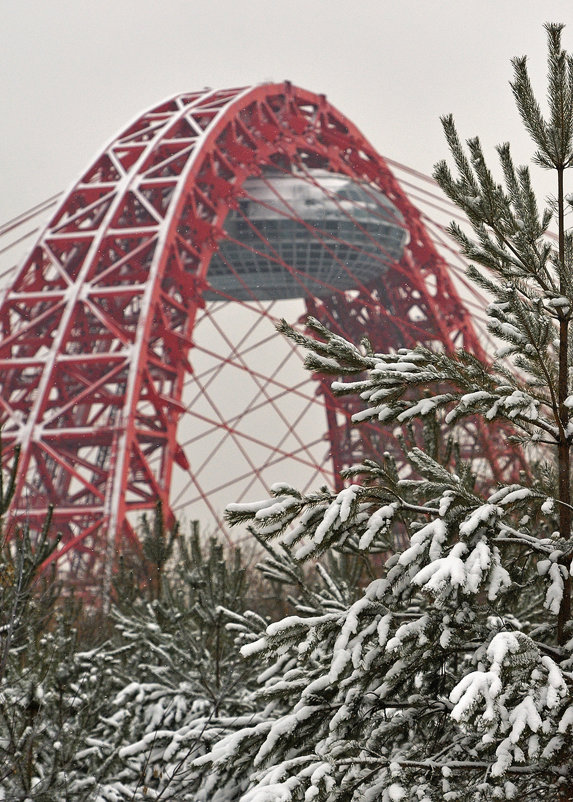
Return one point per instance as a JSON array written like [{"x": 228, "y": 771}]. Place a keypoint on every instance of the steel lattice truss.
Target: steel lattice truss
[{"x": 97, "y": 328}]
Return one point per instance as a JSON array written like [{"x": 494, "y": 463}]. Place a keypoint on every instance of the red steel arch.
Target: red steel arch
[{"x": 96, "y": 329}]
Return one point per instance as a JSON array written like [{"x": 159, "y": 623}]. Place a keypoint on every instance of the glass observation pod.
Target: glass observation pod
[{"x": 298, "y": 234}]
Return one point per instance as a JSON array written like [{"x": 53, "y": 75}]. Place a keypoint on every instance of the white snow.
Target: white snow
[
  {"x": 275, "y": 507},
  {"x": 436, "y": 530},
  {"x": 278, "y": 792},
  {"x": 424, "y": 407},
  {"x": 445, "y": 502},
  {"x": 516, "y": 495},
  {"x": 556, "y": 685},
  {"x": 396, "y": 792},
  {"x": 468, "y": 400},
  {"x": 401, "y": 367},
  {"x": 409, "y": 630},
  {"x": 549, "y": 506},
  {"x": 345, "y": 500},
  {"x": 501, "y": 644},
  {"x": 282, "y": 727},
  {"x": 476, "y": 565},
  {"x": 384, "y": 628},
  {"x": 480, "y": 516},
  {"x": 560, "y": 302},
  {"x": 525, "y": 714},
  {"x": 340, "y": 660},
  {"x": 467, "y": 693},
  {"x": 566, "y": 721},
  {"x": 379, "y": 520},
  {"x": 250, "y": 507},
  {"x": 555, "y": 590},
  {"x": 499, "y": 578},
  {"x": 506, "y": 330},
  {"x": 446, "y": 570}
]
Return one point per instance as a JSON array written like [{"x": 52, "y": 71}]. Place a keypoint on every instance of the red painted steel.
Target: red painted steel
[{"x": 96, "y": 329}]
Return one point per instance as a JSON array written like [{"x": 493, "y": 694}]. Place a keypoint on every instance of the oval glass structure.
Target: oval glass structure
[{"x": 298, "y": 233}]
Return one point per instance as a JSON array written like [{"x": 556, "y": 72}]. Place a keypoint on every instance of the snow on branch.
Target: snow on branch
[{"x": 497, "y": 699}]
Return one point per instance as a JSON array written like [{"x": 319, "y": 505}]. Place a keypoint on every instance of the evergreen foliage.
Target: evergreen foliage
[
  {"x": 51, "y": 700},
  {"x": 50, "y": 689},
  {"x": 178, "y": 678},
  {"x": 449, "y": 677}
]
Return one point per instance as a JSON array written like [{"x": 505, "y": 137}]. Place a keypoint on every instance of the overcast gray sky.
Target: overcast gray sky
[{"x": 74, "y": 72}]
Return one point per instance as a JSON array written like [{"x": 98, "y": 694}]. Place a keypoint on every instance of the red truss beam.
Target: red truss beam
[{"x": 96, "y": 329}]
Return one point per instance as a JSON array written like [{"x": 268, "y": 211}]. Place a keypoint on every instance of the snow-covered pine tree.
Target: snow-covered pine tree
[
  {"x": 51, "y": 693},
  {"x": 51, "y": 699},
  {"x": 450, "y": 676},
  {"x": 178, "y": 681}
]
